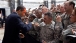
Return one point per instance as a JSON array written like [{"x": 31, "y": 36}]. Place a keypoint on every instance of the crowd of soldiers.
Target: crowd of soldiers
[
  {"x": 51, "y": 25},
  {"x": 54, "y": 24}
]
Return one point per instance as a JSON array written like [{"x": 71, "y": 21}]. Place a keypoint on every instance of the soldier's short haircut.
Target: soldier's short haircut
[
  {"x": 20, "y": 7},
  {"x": 38, "y": 10},
  {"x": 48, "y": 14},
  {"x": 31, "y": 15},
  {"x": 72, "y": 3}
]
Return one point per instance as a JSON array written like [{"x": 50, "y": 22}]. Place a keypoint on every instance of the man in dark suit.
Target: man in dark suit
[{"x": 14, "y": 24}]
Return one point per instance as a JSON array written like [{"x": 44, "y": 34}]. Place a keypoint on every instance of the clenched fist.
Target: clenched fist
[{"x": 58, "y": 18}]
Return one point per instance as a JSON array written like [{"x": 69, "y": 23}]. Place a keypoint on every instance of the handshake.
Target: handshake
[{"x": 35, "y": 24}]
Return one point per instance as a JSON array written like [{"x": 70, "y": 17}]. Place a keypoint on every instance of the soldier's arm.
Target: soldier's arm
[{"x": 67, "y": 32}]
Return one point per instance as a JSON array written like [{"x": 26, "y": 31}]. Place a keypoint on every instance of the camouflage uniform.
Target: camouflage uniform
[
  {"x": 66, "y": 20},
  {"x": 47, "y": 32},
  {"x": 34, "y": 32},
  {"x": 65, "y": 23},
  {"x": 68, "y": 31},
  {"x": 37, "y": 20},
  {"x": 58, "y": 31},
  {"x": 58, "y": 28}
]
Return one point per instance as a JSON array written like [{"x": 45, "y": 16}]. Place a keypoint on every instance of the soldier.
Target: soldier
[
  {"x": 44, "y": 10},
  {"x": 72, "y": 26},
  {"x": 34, "y": 32},
  {"x": 62, "y": 11},
  {"x": 69, "y": 6},
  {"x": 47, "y": 29},
  {"x": 58, "y": 30},
  {"x": 38, "y": 19}
]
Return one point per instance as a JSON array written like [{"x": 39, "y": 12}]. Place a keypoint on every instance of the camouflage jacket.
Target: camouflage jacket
[
  {"x": 69, "y": 29},
  {"x": 47, "y": 32}
]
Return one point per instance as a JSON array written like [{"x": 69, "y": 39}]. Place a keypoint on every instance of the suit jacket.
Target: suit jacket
[{"x": 13, "y": 25}]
